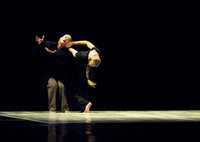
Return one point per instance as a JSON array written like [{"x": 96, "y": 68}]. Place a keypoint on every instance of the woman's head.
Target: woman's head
[
  {"x": 64, "y": 40},
  {"x": 93, "y": 59}
]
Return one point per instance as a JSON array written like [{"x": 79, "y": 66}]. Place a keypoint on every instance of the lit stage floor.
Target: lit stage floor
[{"x": 105, "y": 116}]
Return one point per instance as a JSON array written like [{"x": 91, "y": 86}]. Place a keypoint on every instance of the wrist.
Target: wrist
[
  {"x": 69, "y": 48},
  {"x": 93, "y": 48}
]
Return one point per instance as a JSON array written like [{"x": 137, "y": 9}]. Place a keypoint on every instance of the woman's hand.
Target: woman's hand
[{"x": 91, "y": 83}]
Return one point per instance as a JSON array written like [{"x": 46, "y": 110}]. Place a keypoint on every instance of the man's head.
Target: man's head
[
  {"x": 39, "y": 38},
  {"x": 64, "y": 40},
  {"x": 93, "y": 59}
]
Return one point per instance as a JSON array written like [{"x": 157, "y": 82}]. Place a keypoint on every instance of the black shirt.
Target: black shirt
[
  {"x": 42, "y": 59},
  {"x": 82, "y": 57},
  {"x": 62, "y": 65}
]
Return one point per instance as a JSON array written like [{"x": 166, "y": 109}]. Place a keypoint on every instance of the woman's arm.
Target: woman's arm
[
  {"x": 84, "y": 42},
  {"x": 73, "y": 51},
  {"x": 90, "y": 83}
]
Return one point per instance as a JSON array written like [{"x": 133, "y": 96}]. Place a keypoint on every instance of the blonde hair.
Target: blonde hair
[{"x": 60, "y": 41}]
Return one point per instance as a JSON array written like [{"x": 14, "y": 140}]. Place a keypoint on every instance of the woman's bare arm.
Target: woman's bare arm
[{"x": 84, "y": 42}]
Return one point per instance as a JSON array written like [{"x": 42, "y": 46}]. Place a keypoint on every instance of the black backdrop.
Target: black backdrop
[{"x": 145, "y": 64}]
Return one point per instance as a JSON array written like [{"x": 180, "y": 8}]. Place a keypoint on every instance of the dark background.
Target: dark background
[{"x": 146, "y": 61}]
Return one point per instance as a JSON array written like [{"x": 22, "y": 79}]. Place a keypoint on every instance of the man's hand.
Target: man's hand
[
  {"x": 91, "y": 83},
  {"x": 50, "y": 51}
]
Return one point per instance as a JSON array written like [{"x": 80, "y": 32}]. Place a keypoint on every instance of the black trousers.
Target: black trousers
[{"x": 79, "y": 94}]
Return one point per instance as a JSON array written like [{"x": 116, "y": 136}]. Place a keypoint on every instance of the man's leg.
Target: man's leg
[
  {"x": 64, "y": 104},
  {"x": 52, "y": 89}
]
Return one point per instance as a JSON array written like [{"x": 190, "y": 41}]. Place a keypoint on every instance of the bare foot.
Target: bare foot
[{"x": 87, "y": 107}]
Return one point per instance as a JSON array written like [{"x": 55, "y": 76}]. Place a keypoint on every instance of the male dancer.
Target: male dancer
[{"x": 43, "y": 50}]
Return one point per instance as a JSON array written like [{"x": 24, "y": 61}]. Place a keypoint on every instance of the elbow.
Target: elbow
[{"x": 85, "y": 42}]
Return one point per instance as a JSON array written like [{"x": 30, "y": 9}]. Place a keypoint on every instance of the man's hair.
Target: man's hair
[{"x": 40, "y": 34}]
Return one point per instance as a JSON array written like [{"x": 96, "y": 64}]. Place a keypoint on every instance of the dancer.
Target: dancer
[
  {"x": 89, "y": 59},
  {"x": 44, "y": 51}
]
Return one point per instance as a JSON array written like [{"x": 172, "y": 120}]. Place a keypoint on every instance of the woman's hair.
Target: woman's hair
[
  {"x": 59, "y": 43},
  {"x": 65, "y": 37}
]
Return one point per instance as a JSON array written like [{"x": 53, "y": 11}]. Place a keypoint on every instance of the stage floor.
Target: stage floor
[{"x": 104, "y": 116}]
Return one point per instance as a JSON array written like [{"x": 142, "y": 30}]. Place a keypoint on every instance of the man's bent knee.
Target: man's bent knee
[{"x": 60, "y": 85}]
